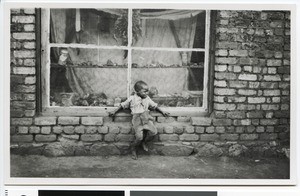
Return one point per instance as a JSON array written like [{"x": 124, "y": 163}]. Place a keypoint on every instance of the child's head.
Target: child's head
[{"x": 141, "y": 88}]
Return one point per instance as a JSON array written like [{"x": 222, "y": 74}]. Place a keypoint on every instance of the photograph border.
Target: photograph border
[{"x": 8, "y": 180}]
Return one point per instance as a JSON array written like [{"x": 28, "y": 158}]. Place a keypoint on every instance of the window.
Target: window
[{"x": 91, "y": 58}]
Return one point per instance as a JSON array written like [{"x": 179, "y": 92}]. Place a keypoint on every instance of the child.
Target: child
[{"x": 140, "y": 103}]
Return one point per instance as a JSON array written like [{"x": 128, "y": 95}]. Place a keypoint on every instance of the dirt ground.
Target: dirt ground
[{"x": 149, "y": 167}]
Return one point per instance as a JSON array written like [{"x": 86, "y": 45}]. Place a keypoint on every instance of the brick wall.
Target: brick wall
[{"x": 251, "y": 101}]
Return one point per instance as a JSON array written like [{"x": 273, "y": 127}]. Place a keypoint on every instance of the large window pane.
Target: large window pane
[
  {"x": 87, "y": 77},
  {"x": 105, "y": 27},
  {"x": 174, "y": 83},
  {"x": 168, "y": 28}
]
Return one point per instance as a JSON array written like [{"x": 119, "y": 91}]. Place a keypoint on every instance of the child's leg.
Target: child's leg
[
  {"x": 145, "y": 147},
  {"x": 136, "y": 142},
  {"x": 137, "y": 127},
  {"x": 151, "y": 132},
  {"x": 149, "y": 135}
]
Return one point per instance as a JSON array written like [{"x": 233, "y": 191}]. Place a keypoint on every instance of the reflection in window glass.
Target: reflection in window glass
[
  {"x": 89, "y": 56},
  {"x": 157, "y": 58},
  {"x": 169, "y": 28},
  {"x": 106, "y": 27},
  {"x": 169, "y": 86},
  {"x": 172, "y": 84},
  {"x": 83, "y": 57},
  {"x": 78, "y": 77}
]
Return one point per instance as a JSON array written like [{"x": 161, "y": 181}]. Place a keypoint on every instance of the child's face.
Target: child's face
[{"x": 143, "y": 93}]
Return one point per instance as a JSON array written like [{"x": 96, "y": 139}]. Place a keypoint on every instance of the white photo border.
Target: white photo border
[{"x": 8, "y": 180}]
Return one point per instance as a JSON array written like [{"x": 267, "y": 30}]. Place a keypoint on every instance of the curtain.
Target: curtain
[
  {"x": 171, "y": 34},
  {"x": 58, "y": 81}
]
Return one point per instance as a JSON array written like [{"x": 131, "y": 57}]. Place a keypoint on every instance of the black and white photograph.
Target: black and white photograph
[{"x": 150, "y": 92}]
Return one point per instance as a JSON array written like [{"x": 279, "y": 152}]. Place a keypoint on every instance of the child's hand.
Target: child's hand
[
  {"x": 166, "y": 114},
  {"x": 111, "y": 114}
]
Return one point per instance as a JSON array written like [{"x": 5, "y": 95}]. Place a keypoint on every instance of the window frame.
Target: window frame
[{"x": 43, "y": 71}]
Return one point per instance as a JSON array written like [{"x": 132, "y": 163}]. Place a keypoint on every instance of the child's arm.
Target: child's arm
[
  {"x": 165, "y": 114},
  {"x": 113, "y": 113},
  {"x": 153, "y": 106},
  {"x": 123, "y": 105}
]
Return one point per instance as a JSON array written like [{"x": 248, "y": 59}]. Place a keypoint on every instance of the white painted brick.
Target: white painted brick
[
  {"x": 254, "y": 84},
  {"x": 272, "y": 78},
  {"x": 68, "y": 120},
  {"x": 237, "y": 69},
  {"x": 226, "y": 60},
  {"x": 278, "y": 55},
  {"x": 236, "y": 99},
  {"x": 256, "y": 69},
  {"x": 15, "y": 11},
  {"x": 24, "y": 70},
  {"x": 220, "y": 83},
  {"x": 219, "y": 99},
  {"x": 246, "y": 122},
  {"x": 29, "y": 62},
  {"x": 25, "y": 36},
  {"x": 30, "y": 80},
  {"x": 276, "y": 99},
  {"x": 220, "y": 68},
  {"x": 224, "y": 91},
  {"x": 248, "y": 77},
  {"x": 45, "y": 120},
  {"x": 246, "y": 92},
  {"x": 256, "y": 99},
  {"x": 272, "y": 70},
  {"x": 271, "y": 92},
  {"x": 248, "y": 68},
  {"x": 224, "y": 106},
  {"x": 23, "y": 130},
  {"x": 29, "y": 11},
  {"x": 201, "y": 121},
  {"x": 29, "y": 45},
  {"x": 46, "y": 130},
  {"x": 24, "y": 54},
  {"x": 224, "y": 22},
  {"x": 92, "y": 120},
  {"x": 221, "y": 53},
  {"x": 238, "y": 53},
  {"x": 274, "y": 62},
  {"x": 168, "y": 129},
  {"x": 29, "y": 27},
  {"x": 23, "y": 19}
]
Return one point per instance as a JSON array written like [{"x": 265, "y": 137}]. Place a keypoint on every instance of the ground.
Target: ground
[{"x": 149, "y": 167}]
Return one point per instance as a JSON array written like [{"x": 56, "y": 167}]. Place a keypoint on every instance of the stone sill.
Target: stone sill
[{"x": 88, "y": 111}]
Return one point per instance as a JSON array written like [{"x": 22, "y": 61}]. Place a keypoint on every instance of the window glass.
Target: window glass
[
  {"x": 168, "y": 28},
  {"x": 87, "y": 77},
  {"x": 105, "y": 27},
  {"x": 91, "y": 57},
  {"x": 173, "y": 82}
]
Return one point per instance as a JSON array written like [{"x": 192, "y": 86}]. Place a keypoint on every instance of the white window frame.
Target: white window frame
[{"x": 46, "y": 109}]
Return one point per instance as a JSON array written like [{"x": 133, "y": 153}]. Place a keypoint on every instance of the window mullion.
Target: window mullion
[
  {"x": 45, "y": 52},
  {"x": 129, "y": 52},
  {"x": 206, "y": 58}
]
